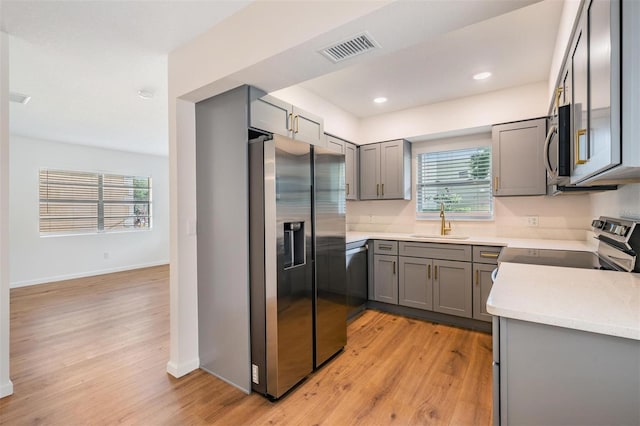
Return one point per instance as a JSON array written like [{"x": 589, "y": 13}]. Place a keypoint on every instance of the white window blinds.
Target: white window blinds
[
  {"x": 82, "y": 202},
  {"x": 461, "y": 179}
]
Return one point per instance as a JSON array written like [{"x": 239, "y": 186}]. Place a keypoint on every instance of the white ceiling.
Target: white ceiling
[
  {"x": 83, "y": 62},
  {"x": 515, "y": 47}
]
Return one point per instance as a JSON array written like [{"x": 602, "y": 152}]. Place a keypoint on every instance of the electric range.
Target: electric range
[{"x": 618, "y": 249}]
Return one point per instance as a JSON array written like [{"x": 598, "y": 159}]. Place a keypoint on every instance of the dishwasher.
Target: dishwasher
[{"x": 356, "y": 258}]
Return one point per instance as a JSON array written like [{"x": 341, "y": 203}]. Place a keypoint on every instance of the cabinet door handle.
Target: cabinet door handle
[
  {"x": 383, "y": 189},
  {"x": 428, "y": 272},
  {"x": 559, "y": 91},
  {"x": 435, "y": 272},
  {"x": 297, "y": 118},
  {"x": 394, "y": 267},
  {"x": 347, "y": 189},
  {"x": 477, "y": 277},
  {"x": 489, "y": 254},
  {"x": 496, "y": 180},
  {"x": 377, "y": 189},
  {"x": 579, "y": 133},
  {"x": 290, "y": 123}
]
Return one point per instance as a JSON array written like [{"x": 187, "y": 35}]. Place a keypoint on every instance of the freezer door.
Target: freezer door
[
  {"x": 330, "y": 257},
  {"x": 291, "y": 359}
]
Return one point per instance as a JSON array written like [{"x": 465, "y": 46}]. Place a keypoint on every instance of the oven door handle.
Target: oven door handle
[{"x": 547, "y": 142}]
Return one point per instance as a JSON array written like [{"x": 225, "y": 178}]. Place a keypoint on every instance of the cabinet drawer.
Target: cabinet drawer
[
  {"x": 385, "y": 247},
  {"x": 486, "y": 254},
  {"x": 436, "y": 251}
]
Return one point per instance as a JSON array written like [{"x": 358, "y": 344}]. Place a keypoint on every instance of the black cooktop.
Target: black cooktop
[{"x": 564, "y": 258}]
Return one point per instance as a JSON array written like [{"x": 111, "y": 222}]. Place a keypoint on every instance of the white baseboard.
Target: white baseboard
[
  {"x": 64, "y": 277},
  {"x": 6, "y": 389},
  {"x": 179, "y": 370}
]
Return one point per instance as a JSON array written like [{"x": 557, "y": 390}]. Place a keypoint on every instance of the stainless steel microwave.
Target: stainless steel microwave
[{"x": 557, "y": 147}]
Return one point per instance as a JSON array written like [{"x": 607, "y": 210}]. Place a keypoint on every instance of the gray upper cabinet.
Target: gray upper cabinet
[
  {"x": 452, "y": 288},
  {"x": 517, "y": 158},
  {"x": 415, "y": 285},
  {"x": 580, "y": 114},
  {"x": 370, "y": 172},
  {"x": 595, "y": 58},
  {"x": 350, "y": 152},
  {"x": 273, "y": 115},
  {"x": 385, "y": 171},
  {"x": 335, "y": 144},
  {"x": 352, "y": 175}
]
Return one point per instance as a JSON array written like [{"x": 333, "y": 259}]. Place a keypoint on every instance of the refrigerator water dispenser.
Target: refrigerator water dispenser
[{"x": 294, "y": 251}]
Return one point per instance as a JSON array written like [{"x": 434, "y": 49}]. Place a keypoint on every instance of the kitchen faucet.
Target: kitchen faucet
[{"x": 443, "y": 229}]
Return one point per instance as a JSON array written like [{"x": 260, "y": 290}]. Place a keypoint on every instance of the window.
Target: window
[
  {"x": 461, "y": 179},
  {"x": 81, "y": 202}
]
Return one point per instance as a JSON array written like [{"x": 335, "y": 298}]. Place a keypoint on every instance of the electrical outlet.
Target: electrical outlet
[
  {"x": 254, "y": 374},
  {"x": 532, "y": 220},
  {"x": 371, "y": 218},
  {"x": 106, "y": 255}
]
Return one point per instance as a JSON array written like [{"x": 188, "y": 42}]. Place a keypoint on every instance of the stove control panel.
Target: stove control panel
[
  {"x": 619, "y": 241},
  {"x": 623, "y": 231}
]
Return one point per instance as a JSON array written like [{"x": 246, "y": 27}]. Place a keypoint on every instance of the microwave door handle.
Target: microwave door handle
[{"x": 547, "y": 143}]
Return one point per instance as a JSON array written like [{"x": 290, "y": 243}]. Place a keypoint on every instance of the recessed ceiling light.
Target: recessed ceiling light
[
  {"x": 19, "y": 98},
  {"x": 145, "y": 94},
  {"x": 482, "y": 75},
  {"x": 380, "y": 100}
]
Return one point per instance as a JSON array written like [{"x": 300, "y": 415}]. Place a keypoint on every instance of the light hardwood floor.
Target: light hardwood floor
[{"x": 94, "y": 351}]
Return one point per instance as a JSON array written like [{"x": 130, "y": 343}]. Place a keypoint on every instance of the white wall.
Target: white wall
[
  {"x": 562, "y": 217},
  {"x": 6, "y": 387},
  {"x": 625, "y": 202},
  {"x": 35, "y": 259},
  {"x": 197, "y": 71},
  {"x": 517, "y": 103}
]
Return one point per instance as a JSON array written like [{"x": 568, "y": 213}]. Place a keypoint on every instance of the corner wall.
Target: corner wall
[
  {"x": 6, "y": 387},
  {"x": 501, "y": 106},
  {"x": 35, "y": 259}
]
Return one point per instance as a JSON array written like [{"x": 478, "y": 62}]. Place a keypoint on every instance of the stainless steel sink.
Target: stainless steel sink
[{"x": 440, "y": 237}]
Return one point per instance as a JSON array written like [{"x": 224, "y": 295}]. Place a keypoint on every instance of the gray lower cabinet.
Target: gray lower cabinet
[
  {"x": 385, "y": 278},
  {"x": 434, "y": 276},
  {"x": 517, "y": 158},
  {"x": 485, "y": 260},
  {"x": 452, "y": 288},
  {"x": 548, "y": 375},
  {"x": 481, "y": 288},
  {"x": 276, "y": 116},
  {"x": 415, "y": 285}
]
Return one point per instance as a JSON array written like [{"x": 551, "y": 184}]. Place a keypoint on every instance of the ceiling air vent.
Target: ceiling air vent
[{"x": 353, "y": 46}]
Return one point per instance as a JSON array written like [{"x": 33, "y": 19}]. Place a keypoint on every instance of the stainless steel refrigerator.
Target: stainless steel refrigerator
[{"x": 297, "y": 261}]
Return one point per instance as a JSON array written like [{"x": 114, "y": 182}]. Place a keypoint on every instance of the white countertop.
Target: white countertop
[
  {"x": 484, "y": 241},
  {"x": 604, "y": 302}
]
